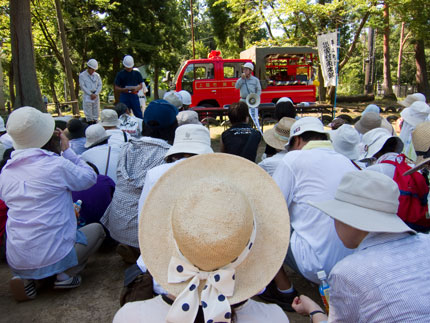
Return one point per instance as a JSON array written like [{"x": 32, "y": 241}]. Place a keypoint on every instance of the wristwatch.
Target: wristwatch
[{"x": 311, "y": 314}]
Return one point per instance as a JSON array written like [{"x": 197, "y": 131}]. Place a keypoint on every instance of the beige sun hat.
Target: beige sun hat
[
  {"x": 346, "y": 140},
  {"x": 411, "y": 98},
  {"x": 212, "y": 224},
  {"x": 366, "y": 200},
  {"x": 95, "y": 134},
  {"x": 109, "y": 118},
  {"x": 191, "y": 139},
  {"x": 30, "y": 128},
  {"x": 375, "y": 139},
  {"x": 416, "y": 113},
  {"x": 421, "y": 141},
  {"x": 188, "y": 117},
  {"x": 278, "y": 136},
  {"x": 367, "y": 122}
]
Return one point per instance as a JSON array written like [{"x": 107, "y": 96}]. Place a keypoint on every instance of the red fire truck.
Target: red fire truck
[{"x": 282, "y": 71}]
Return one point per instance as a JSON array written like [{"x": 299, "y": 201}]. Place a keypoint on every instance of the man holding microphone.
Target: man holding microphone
[{"x": 248, "y": 83}]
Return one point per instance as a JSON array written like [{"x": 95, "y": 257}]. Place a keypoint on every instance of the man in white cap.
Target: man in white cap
[
  {"x": 248, "y": 83},
  {"x": 91, "y": 84},
  {"x": 129, "y": 82},
  {"x": 384, "y": 280},
  {"x": 310, "y": 171}
]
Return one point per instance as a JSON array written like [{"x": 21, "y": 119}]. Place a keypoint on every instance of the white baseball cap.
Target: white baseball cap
[
  {"x": 128, "y": 61},
  {"x": 186, "y": 97},
  {"x": 306, "y": 124},
  {"x": 249, "y": 65},
  {"x": 92, "y": 63}
]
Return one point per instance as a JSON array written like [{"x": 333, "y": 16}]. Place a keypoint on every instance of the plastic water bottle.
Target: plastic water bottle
[{"x": 324, "y": 289}]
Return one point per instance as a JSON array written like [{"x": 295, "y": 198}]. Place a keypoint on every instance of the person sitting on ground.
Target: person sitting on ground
[
  {"x": 36, "y": 185},
  {"x": 224, "y": 250},
  {"x": 100, "y": 153},
  {"x": 384, "y": 122},
  {"x": 412, "y": 116},
  {"x": 174, "y": 98},
  {"x": 186, "y": 99},
  {"x": 188, "y": 117},
  {"x": 276, "y": 138},
  {"x": 240, "y": 139},
  {"x": 137, "y": 157},
  {"x": 76, "y": 134},
  {"x": 310, "y": 171},
  {"x": 283, "y": 108},
  {"x": 109, "y": 121},
  {"x": 382, "y": 281},
  {"x": 346, "y": 141},
  {"x": 96, "y": 199},
  {"x": 128, "y": 122},
  {"x": 190, "y": 140}
]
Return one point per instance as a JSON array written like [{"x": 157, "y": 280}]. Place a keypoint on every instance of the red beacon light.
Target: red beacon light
[{"x": 215, "y": 54}]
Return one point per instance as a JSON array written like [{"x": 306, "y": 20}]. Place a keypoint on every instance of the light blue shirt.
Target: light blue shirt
[{"x": 248, "y": 86}]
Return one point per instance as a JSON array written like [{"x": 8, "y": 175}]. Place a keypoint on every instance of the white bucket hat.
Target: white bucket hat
[
  {"x": 366, "y": 200},
  {"x": 375, "y": 139},
  {"x": 411, "y": 98},
  {"x": 416, "y": 113},
  {"x": 109, "y": 118},
  {"x": 174, "y": 98},
  {"x": 346, "y": 141},
  {"x": 2, "y": 128},
  {"x": 278, "y": 136},
  {"x": 306, "y": 124},
  {"x": 214, "y": 220},
  {"x": 95, "y": 134},
  {"x": 128, "y": 61},
  {"x": 188, "y": 117},
  {"x": 92, "y": 63},
  {"x": 30, "y": 128},
  {"x": 191, "y": 139},
  {"x": 186, "y": 97},
  {"x": 368, "y": 121},
  {"x": 249, "y": 65}
]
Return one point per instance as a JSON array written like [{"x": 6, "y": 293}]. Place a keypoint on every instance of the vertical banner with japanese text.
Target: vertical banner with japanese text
[{"x": 327, "y": 51}]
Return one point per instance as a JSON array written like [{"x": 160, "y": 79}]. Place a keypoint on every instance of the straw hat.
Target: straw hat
[
  {"x": 421, "y": 140},
  {"x": 418, "y": 166},
  {"x": 206, "y": 205},
  {"x": 346, "y": 141},
  {"x": 95, "y": 134},
  {"x": 109, "y": 118},
  {"x": 30, "y": 128},
  {"x": 306, "y": 124},
  {"x": 188, "y": 117},
  {"x": 191, "y": 139},
  {"x": 416, "y": 113},
  {"x": 2, "y": 128},
  {"x": 375, "y": 139},
  {"x": 366, "y": 200},
  {"x": 278, "y": 136},
  {"x": 367, "y": 122},
  {"x": 411, "y": 98}
]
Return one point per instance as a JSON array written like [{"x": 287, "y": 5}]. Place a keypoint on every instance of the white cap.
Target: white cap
[
  {"x": 128, "y": 61},
  {"x": 2, "y": 128},
  {"x": 306, "y": 124},
  {"x": 92, "y": 63},
  {"x": 345, "y": 141},
  {"x": 249, "y": 65},
  {"x": 186, "y": 97},
  {"x": 95, "y": 134},
  {"x": 284, "y": 99},
  {"x": 191, "y": 139}
]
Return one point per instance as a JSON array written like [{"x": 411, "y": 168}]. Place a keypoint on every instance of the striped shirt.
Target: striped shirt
[{"x": 385, "y": 280}]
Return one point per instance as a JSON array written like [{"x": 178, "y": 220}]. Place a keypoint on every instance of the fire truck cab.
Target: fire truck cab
[{"x": 282, "y": 71}]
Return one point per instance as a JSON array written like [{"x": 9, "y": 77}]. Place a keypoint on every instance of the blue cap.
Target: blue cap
[{"x": 161, "y": 112}]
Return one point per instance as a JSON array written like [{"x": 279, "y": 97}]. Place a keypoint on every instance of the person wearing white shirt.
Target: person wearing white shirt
[
  {"x": 91, "y": 86},
  {"x": 109, "y": 121},
  {"x": 36, "y": 184},
  {"x": 384, "y": 280}
]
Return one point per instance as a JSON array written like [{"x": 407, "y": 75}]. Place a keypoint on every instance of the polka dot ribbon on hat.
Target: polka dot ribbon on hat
[{"x": 219, "y": 285}]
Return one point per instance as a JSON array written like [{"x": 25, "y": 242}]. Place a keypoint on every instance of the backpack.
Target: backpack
[{"x": 413, "y": 205}]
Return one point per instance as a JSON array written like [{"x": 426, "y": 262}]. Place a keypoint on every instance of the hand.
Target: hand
[
  {"x": 64, "y": 141},
  {"x": 304, "y": 305},
  {"x": 93, "y": 96},
  {"x": 243, "y": 76}
]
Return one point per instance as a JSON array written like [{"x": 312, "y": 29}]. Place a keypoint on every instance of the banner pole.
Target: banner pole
[{"x": 337, "y": 73}]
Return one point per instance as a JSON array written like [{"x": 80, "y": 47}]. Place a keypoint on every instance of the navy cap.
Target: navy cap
[{"x": 161, "y": 112}]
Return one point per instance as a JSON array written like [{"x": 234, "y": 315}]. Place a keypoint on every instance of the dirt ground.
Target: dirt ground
[{"x": 97, "y": 299}]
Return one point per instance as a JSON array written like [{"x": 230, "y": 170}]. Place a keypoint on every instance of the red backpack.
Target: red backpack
[{"x": 413, "y": 207}]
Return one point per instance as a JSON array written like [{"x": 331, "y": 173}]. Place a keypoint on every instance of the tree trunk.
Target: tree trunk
[
  {"x": 421, "y": 76},
  {"x": 399, "y": 58},
  {"x": 24, "y": 71},
  {"x": 11, "y": 88},
  {"x": 370, "y": 63},
  {"x": 156, "y": 73},
  {"x": 68, "y": 65},
  {"x": 54, "y": 98},
  {"x": 2, "y": 100},
  {"x": 387, "y": 86}
]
